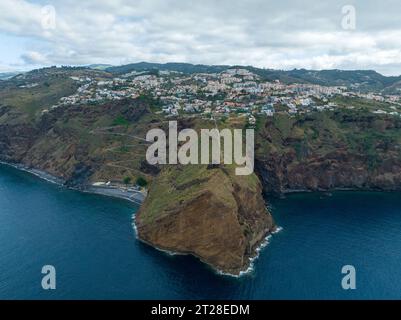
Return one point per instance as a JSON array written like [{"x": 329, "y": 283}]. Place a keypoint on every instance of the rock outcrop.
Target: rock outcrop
[{"x": 206, "y": 212}]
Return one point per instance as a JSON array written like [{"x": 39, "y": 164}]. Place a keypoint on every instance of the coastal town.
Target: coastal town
[{"x": 233, "y": 92}]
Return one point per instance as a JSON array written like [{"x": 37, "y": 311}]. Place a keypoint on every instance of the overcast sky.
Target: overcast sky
[{"x": 279, "y": 34}]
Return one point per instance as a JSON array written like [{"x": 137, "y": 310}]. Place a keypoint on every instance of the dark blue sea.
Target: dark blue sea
[{"x": 91, "y": 243}]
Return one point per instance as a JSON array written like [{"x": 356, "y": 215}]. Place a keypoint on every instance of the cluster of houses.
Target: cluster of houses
[{"x": 233, "y": 91}]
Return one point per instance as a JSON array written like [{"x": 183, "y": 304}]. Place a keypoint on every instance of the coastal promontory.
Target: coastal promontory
[{"x": 208, "y": 212}]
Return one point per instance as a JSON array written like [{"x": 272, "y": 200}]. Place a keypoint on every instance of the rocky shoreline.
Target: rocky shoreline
[
  {"x": 251, "y": 260},
  {"x": 115, "y": 192},
  {"x": 109, "y": 191},
  {"x": 36, "y": 172}
]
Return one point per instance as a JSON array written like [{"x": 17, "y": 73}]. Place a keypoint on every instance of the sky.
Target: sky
[{"x": 279, "y": 34}]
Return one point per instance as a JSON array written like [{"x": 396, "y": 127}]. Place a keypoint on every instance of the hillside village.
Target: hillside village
[{"x": 235, "y": 91}]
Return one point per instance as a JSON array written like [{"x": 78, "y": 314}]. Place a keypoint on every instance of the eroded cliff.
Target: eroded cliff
[
  {"x": 207, "y": 212},
  {"x": 344, "y": 149}
]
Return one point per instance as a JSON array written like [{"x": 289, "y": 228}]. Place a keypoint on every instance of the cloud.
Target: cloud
[
  {"x": 33, "y": 57},
  {"x": 272, "y": 34}
]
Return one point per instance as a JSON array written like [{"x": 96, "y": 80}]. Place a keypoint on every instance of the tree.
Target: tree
[
  {"x": 141, "y": 182},
  {"x": 127, "y": 180}
]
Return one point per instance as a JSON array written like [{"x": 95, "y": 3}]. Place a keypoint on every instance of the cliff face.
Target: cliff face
[
  {"x": 65, "y": 142},
  {"x": 340, "y": 150},
  {"x": 337, "y": 170},
  {"x": 15, "y": 140},
  {"x": 219, "y": 218}
]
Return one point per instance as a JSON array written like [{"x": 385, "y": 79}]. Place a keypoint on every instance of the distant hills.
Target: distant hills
[
  {"x": 178, "y": 67},
  {"x": 99, "y": 66},
  {"x": 8, "y": 75}
]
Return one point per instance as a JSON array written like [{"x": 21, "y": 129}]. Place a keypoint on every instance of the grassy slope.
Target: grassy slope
[
  {"x": 31, "y": 101},
  {"x": 179, "y": 184}
]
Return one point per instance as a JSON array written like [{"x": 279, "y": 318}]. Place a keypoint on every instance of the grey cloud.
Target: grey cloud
[{"x": 272, "y": 34}]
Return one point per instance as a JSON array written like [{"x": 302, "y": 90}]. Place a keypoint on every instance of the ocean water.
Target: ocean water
[{"x": 90, "y": 241}]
